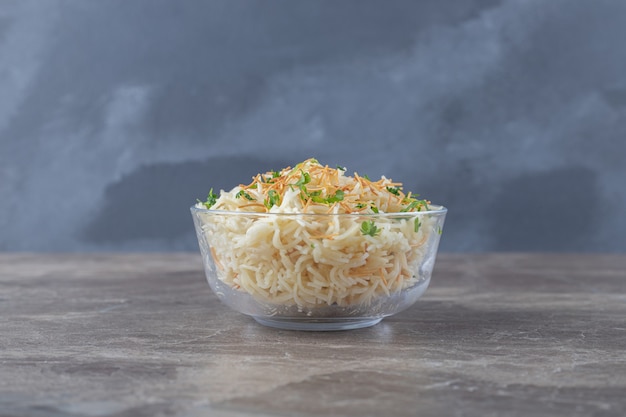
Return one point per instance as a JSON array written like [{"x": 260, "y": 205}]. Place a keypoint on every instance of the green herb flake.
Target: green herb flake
[
  {"x": 244, "y": 194},
  {"x": 417, "y": 225},
  {"x": 411, "y": 206},
  {"x": 340, "y": 168},
  {"x": 410, "y": 197},
  {"x": 360, "y": 205},
  {"x": 368, "y": 228},
  {"x": 304, "y": 179},
  {"x": 335, "y": 198},
  {"x": 394, "y": 190},
  {"x": 439, "y": 230},
  {"x": 211, "y": 199},
  {"x": 414, "y": 204},
  {"x": 366, "y": 177},
  {"x": 270, "y": 179},
  {"x": 374, "y": 208},
  {"x": 272, "y": 199}
]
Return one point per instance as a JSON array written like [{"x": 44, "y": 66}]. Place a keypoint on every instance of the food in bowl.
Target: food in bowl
[{"x": 310, "y": 247}]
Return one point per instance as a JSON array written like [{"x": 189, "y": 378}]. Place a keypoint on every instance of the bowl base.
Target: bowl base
[{"x": 317, "y": 325}]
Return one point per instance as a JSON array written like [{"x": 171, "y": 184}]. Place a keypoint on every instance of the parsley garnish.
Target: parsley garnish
[
  {"x": 374, "y": 208},
  {"x": 366, "y": 177},
  {"x": 242, "y": 193},
  {"x": 316, "y": 196},
  {"x": 411, "y": 206},
  {"x": 340, "y": 168},
  {"x": 417, "y": 225},
  {"x": 413, "y": 203},
  {"x": 360, "y": 205},
  {"x": 335, "y": 198},
  {"x": 272, "y": 199},
  {"x": 211, "y": 199},
  {"x": 423, "y": 203},
  {"x": 439, "y": 230},
  {"x": 369, "y": 228},
  {"x": 275, "y": 174},
  {"x": 394, "y": 190},
  {"x": 304, "y": 179}
]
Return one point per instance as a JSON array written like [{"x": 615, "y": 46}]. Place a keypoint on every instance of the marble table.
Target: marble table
[{"x": 142, "y": 335}]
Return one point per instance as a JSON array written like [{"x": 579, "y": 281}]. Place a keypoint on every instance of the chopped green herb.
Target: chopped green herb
[
  {"x": 335, "y": 198},
  {"x": 414, "y": 204},
  {"x": 254, "y": 186},
  {"x": 340, "y": 168},
  {"x": 304, "y": 179},
  {"x": 423, "y": 203},
  {"x": 394, "y": 190},
  {"x": 244, "y": 194},
  {"x": 313, "y": 245},
  {"x": 272, "y": 199},
  {"x": 410, "y": 197},
  {"x": 369, "y": 228},
  {"x": 374, "y": 208},
  {"x": 366, "y": 177},
  {"x": 411, "y": 206},
  {"x": 360, "y": 205},
  {"x": 316, "y": 196},
  {"x": 211, "y": 199},
  {"x": 439, "y": 230},
  {"x": 313, "y": 196},
  {"x": 417, "y": 225},
  {"x": 317, "y": 199},
  {"x": 270, "y": 179}
]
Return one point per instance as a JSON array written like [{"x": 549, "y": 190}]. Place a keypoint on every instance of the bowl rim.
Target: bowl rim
[{"x": 434, "y": 210}]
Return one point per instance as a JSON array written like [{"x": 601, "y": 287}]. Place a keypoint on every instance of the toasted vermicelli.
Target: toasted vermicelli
[{"x": 312, "y": 236}]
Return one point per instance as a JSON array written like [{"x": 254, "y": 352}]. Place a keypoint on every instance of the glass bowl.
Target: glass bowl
[{"x": 318, "y": 271}]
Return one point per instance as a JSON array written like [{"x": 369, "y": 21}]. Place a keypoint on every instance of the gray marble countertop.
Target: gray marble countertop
[{"x": 142, "y": 335}]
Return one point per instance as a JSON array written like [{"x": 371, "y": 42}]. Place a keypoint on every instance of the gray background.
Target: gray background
[{"x": 115, "y": 115}]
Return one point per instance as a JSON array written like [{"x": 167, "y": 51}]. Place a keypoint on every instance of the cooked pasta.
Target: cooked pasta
[{"x": 312, "y": 236}]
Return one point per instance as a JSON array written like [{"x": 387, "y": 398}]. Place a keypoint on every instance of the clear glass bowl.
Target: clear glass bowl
[{"x": 318, "y": 271}]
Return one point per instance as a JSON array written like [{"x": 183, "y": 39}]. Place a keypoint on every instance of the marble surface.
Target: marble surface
[{"x": 142, "y": 335}]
